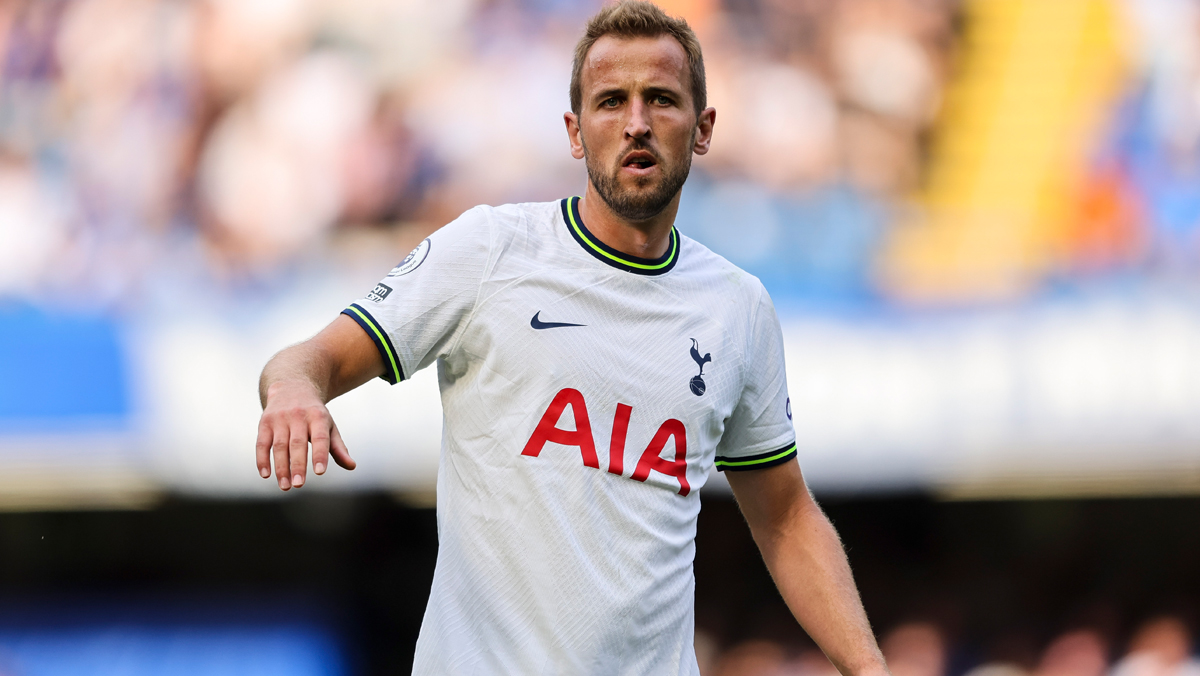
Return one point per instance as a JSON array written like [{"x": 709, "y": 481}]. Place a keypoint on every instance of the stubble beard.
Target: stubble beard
[{"x": 636, "y": 205}]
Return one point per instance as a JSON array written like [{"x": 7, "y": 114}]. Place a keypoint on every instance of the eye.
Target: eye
[
  {"x": 661, "y": 100},
  {"x": 611, "y": 102}
]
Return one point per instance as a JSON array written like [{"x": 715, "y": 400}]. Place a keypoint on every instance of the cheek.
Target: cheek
[
  {"x": 601, "y": 135},
  {"x": 677, "y": 133}
]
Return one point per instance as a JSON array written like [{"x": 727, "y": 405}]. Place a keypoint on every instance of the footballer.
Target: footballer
[{"x": 594, "y": 364}]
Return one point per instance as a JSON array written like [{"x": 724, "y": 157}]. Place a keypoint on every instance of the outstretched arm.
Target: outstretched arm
[
  {"x": 805, "y": 557},
  {"x": 294, "y": 388}
]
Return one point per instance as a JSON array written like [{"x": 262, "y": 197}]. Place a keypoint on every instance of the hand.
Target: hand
[{"x": 293, "y": 417}]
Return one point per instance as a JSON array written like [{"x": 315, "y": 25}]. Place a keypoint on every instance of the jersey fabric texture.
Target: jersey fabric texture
[{"x": 586, "y": 396}]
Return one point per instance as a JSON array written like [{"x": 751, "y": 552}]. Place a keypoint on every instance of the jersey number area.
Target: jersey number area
[{"x": 547, "y": 430}]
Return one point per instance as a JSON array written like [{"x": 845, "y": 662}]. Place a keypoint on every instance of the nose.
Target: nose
[{"x": 638, "y": 124}]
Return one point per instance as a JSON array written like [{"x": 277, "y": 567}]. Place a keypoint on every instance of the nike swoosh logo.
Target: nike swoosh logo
[{"x": 539, "y": 324}]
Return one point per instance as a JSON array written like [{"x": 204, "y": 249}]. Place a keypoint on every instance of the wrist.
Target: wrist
[{"x": 292, "y": 385}]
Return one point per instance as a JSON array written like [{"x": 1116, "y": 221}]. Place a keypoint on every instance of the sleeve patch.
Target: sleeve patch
[
  {"x": 392, "y": 372},
  {"x": 759, "y": 461},
  {"x": 379, "y": 293},
  {"x": 413, "y": 260}
]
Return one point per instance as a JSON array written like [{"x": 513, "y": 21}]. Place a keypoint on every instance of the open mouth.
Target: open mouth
[{"x": 639, "y": 159}]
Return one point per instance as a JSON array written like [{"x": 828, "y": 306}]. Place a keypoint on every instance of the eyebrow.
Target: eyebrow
[
  {"x": 606, "y": 94},
  {"x": 664, "y": 90}
]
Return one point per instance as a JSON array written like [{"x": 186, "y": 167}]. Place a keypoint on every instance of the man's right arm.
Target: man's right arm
[{"x": 294, "y": 388}]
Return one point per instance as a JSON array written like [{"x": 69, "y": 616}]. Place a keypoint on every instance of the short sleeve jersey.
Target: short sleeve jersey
[{"x": 586, "y": 396}]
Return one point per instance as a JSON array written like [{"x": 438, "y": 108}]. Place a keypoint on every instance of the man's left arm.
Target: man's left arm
[{"x": 805, "y": 558}]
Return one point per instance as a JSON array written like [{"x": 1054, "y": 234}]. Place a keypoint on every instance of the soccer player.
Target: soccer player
[{"x": 594, "y": 365}]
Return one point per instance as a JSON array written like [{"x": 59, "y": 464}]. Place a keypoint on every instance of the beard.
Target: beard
[{"x": 632, "y": 204}]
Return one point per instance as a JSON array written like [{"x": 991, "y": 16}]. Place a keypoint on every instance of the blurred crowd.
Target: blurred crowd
[
  {"x": 1160, "y": 646},
  {"x": 220, "y": 141},
  {"x": 1139, "y": 205},
  {"x": 228, "y": 139}
]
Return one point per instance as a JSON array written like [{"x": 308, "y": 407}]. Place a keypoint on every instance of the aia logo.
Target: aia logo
[{"x": 547, "y": 430}]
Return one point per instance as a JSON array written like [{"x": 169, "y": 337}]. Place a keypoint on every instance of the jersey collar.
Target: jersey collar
[{"x": 609, "y": 255}]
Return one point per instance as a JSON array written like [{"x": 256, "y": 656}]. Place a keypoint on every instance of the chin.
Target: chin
[{"x": 641, "y": 184}]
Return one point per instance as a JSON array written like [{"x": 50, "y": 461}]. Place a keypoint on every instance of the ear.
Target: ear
[
  {"x": 704, "y": 130},
  {"x": 574, "y": 133}
]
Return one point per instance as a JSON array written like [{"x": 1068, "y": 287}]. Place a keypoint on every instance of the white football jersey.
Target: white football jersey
[{"x": 586, "y": 395}]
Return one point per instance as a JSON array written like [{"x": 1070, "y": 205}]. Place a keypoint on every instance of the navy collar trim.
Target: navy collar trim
[{"x": 609, "y": 255}]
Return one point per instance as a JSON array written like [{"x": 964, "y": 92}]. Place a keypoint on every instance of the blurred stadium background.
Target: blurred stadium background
[{"x": 980, "y": 221}]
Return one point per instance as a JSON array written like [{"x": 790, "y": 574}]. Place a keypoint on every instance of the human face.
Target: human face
[{"x": 637, "y": 127}]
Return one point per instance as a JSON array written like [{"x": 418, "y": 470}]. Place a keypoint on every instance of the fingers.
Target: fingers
[
  {"x": 341, "y": 455},
  {"x": 284, "y": 434},
  {"x": 279, "y": 449},
  {"x": 262, "y": 448},
  {"x": 298, "y": 448},
  {"x": 318, "y": 430}
]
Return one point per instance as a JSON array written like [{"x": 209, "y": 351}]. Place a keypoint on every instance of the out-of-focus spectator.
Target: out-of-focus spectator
[
  {"x": 1009, "y": 653},
  {"x": 271, "y": 175},
  {"x": 777, "y": 123},
  {"x": 707, "y": 651},
  {"x": 387, "y": 169},
  {"x": 27, "y": 72},
  {"x": 885, "y": 56},
  {"x": 997, "y": 669},
  {"x": 1140, "y": 203},
  {"x": 882, "y": 55},
  {"x": 31, "y": 228},
  {"x": 495, "y": 119},
  {"x": 128, "y": 108},
  {"x": 1076, "y": 653},
  {"x": 240, "y": 42},
  {"x": 403, "y": 40},
  {"x": 810, "y": 662},
  {"x": 1108, "y": 231},
  {"x": 752, "y": 658},
  {"x": 262, "y": 124},
  {"x": 698, "y": 13},
  {"x": 1161, "y": 646},
  {"x": 915, "y": 649}
]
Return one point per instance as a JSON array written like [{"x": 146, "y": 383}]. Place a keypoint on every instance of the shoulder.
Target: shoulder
[
  {"x": 487, "y": 223},
  {"x": 507, "y": 216},
  {"x": 506, "y": 221},
  {"x": 704, "y": 269}
]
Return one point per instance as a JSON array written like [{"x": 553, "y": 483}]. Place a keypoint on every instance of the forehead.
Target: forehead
[{"x": 630, "y": 63}]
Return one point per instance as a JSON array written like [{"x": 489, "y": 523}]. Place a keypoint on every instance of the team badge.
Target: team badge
[
  {"x": 697, "y": 383},
  {"x": 413, "y": 260}
]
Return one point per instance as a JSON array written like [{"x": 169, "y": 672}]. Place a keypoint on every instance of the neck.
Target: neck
[{"x": 644, "y": 239}]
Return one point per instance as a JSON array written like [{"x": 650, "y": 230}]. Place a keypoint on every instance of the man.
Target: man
[{"x": 567, "y": 540}]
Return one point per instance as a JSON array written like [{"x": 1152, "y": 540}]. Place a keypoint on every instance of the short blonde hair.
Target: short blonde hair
[{"x": 639, "y": 19}]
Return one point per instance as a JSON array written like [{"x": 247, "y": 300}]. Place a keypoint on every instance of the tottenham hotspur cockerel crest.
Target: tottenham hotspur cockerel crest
[{"x": 697, "y": 383}]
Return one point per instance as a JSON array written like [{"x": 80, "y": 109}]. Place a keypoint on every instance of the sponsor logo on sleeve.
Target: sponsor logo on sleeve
[
  {"x": 413, "y": 260},
  {"x": 380, "y": 292}
]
